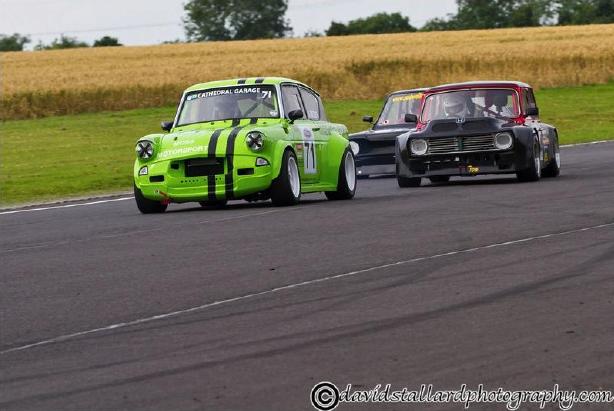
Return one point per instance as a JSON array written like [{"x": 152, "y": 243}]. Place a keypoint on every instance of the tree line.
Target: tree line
[
  {"x": 17, "y": 42},
  {"x": 215, "y": 20}
]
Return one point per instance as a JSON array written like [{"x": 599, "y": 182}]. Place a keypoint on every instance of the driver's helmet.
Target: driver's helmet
[
  {"x": 453, "y": 104},
  {"x": 227, "y": 108}
]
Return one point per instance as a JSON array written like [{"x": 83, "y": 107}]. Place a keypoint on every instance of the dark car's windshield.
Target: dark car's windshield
[
  {"x": 229, "y": 103},
  {"x": 397, "y": 106},
  {"x": 471, "y": 104}
]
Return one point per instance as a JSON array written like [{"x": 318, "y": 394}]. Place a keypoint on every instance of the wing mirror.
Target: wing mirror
[
  {"x": 295, "y": 115},
  {"x": 167, "y": 125},
  {"x": 411, "y": 118},
  {"x": 532, "y": 112},
  {"x": 368, "y": 119}
]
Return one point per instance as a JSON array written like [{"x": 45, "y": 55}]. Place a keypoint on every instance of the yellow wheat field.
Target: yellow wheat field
[{"x": 357, "y": 67}]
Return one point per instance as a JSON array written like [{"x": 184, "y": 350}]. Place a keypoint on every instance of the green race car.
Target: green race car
[{"x": 251, "y": 139}]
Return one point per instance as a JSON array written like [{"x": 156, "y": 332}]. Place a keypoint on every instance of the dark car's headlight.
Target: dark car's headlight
[
  {"x": 418, "y": 146},
  {"x": 144, "y": 149},
  {"x": 503, "y": 141},
  {"x": 354, "y": 147},
  {"x": 255, "y": 140}
]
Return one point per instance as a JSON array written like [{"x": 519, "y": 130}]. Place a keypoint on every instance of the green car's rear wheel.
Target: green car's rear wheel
[
  {"x": 286, "y": 188},
  {"x": 346, "y": 187},
  {"x": 147, "y": 206}
]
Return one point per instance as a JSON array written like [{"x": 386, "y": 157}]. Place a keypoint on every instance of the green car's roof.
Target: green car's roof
[{"x": 246, "y": 81}]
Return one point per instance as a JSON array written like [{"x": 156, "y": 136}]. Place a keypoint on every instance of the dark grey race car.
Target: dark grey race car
[
  {"x": 475, "y": 128},
  {"x": 374, "y": 149}
]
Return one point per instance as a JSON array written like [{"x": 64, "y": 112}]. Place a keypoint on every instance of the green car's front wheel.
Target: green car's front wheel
[
  {"x": 346, "y": 187},
  {"x": 147, "y": 206},
  {"x": 286, "y": 188}
]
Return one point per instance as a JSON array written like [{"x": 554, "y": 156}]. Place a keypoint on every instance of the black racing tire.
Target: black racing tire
[
  {"x": 347, "y": 171},
  {"x": 147, "y": 206},
  {"x": 284, "y": 191},
  {"x": 554, "y": 167},
  {"x": 533, "y": 172},
  {"x": 213, "y": 204},
  {"x": 405, "y": 182},
  {"x": 439, "y": 179}
]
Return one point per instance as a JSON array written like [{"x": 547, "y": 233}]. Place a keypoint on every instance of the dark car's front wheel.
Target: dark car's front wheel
[
  {"x": 346, "y": 187},
  {"x": 554, "y": 168},
  {"x": 439, "y": 179},
  {"x": 534, "y": 171},
  {"x": 147, "y": 206},
  {"x": 286, "y": 188},
  {"x": 405, "y": 182}
]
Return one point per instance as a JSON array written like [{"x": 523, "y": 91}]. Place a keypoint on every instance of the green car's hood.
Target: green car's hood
[{"x": 199, "y": 140}]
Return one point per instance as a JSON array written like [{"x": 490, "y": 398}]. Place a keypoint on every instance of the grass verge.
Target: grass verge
[{"x": 66, "y": 156}]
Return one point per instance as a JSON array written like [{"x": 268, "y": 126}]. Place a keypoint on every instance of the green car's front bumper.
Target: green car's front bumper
[{"x": 203, "y": 178}]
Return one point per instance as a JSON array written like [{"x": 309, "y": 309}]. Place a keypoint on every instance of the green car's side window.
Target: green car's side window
[
  {"x": 291, "y": 99},
  {"x": 311, "y": 105}
]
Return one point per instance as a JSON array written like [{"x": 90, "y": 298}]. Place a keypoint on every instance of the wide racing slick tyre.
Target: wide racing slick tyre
[
  {"x": 554, "y": 168},
  {"x": 286, "y": 188},
  {"x": 213, "y": 204},
  {"x": 147, "y": 206},
  {"x": 405, "y": 182},
  {"x": 439, "y": 179},
  {"x": 534, "y": 171},
  {"x": 346, "y": 187}
]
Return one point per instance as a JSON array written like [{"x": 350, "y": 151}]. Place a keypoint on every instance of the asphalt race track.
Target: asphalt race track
[{"x": 483, "y": 280}]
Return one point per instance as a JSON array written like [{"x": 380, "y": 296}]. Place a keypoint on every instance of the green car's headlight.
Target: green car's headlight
[
  {"x": 255, "y": 140},
  {"x": 144, "y": 149}
]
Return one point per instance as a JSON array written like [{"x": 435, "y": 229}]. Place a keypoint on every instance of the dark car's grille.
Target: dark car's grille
[
  {"x": 197, "y": 167},
  {"x": 443, "y": 145},
  {"x": 468, "y": 144}
]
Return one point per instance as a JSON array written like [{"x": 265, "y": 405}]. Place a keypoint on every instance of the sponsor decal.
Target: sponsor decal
[
  {"x": 473, "y": 169},
  {"x": 310, "y": 158},
  {"x": 183, "y": 142},
  {"x": 182, "y": 151},
  {"x": 264, "y": 94},
  {"x": 409, "y": 97}
]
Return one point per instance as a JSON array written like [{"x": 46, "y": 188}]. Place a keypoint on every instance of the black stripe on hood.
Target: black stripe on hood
[
  {"x": 230, "y": 150},
  {"x": 211, "y": 154}
]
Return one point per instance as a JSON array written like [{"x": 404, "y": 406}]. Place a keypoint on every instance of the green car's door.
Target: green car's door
[
  {"x": 314, "y": 112},
  {"x": 305, "y": 134}
]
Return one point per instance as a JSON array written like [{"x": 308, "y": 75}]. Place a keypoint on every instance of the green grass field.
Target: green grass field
[{"x": 59, "y": 157}]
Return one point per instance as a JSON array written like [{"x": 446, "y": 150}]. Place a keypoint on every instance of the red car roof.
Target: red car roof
[{"x": 479, "y": 84}]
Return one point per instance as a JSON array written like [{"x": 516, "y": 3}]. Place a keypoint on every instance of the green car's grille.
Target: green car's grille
[{"x": 198, "y": 167}]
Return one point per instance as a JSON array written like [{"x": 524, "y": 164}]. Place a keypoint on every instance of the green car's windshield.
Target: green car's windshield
[
  {"x": 476, "y": 103},
  {"x": 229, "y": 103},
  {"x": 397, "y": 106}
]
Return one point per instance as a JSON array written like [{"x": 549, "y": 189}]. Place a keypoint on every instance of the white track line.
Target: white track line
[
  {"x": 295, "y": 285},
  {"x": 587, "y": 144},
  {"x": 28, "y": 210}
]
